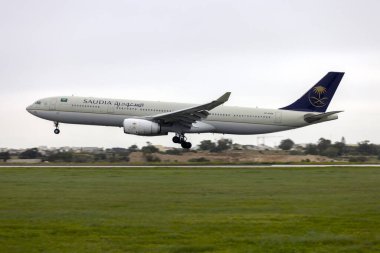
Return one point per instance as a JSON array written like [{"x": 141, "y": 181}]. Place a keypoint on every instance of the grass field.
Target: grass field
[{"x": 190, "y": 210}]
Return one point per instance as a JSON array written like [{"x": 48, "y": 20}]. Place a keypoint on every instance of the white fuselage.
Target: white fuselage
[{"x": 112, "y": 112}]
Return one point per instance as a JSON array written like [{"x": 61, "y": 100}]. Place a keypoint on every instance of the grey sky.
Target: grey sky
[{"x": 267, "y": 53}]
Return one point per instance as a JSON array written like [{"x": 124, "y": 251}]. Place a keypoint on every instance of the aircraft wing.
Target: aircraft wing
[{"x": 186, "y": 117}]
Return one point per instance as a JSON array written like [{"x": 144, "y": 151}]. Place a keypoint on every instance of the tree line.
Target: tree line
[
  {"x": 326, "y": 147},
  {"x": 323, "y": 147}
]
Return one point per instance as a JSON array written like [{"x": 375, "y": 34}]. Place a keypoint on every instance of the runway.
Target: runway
[{"x": 194, "y": 166}]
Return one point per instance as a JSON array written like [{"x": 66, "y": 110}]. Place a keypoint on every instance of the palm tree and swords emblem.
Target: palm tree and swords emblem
[{"x": 317, "y": 96}]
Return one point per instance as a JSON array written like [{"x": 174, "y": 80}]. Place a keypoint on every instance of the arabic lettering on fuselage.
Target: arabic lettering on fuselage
[
  {"x": 109, "y": 102},
  {"x": 129, "y": 104}
]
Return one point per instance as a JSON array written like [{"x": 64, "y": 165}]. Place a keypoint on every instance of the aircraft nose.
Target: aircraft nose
[{"x": 29, "y": 108}]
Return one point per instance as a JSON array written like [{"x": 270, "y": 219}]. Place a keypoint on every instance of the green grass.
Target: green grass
[{"x": 190, "y": 210}]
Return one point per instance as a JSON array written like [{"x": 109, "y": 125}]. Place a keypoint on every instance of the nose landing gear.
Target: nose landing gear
[
  {"x": 180, "y": 138},
  {"x": 56, "y": 130}
]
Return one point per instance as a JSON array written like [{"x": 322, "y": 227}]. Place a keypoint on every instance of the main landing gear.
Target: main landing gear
[
  {"x": 56, "y": 130},
  {"x": 180, "y": 138}
]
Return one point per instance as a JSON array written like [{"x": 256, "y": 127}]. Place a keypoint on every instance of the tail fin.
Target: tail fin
[{"x": 318, "y": 98}]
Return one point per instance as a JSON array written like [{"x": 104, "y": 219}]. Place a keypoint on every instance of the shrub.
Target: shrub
[
  {"x": 30, "y": 154},
  {"x": 151, "y": 158},
  {"x": 286, "y": 144},
  {"x": 207, "y": 145},
  {"x": 5, "y": 156},
  {"x": 198, "y": 160},
  {"x": 82, "y": 158},
  {"x": 149, "y": 149},
  {"x": 330, "y": 152},
  {"x": 60, "y": 157},
  {"x": 173, "y": 152},
  {"x": 311, "y": 149},
  {"x": 356, "y": 159},
  {"x": 295, "y": 152}
]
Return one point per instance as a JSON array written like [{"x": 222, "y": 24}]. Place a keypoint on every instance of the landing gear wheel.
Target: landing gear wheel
[
  {"x": 176, "y": 139},
  {"x": 186, "y": 145},
  {"x": 180, "y": 138},
  {"x": 56, "y": 130}
]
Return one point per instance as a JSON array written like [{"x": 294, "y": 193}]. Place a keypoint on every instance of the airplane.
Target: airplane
[{"x": 153, "y": 118}]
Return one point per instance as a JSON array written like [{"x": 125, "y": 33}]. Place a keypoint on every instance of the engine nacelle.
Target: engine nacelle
[{"x": 141, "y": 127}]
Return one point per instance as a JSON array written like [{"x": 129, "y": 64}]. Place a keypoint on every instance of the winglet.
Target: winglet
[{"x": 224, "y": 98}]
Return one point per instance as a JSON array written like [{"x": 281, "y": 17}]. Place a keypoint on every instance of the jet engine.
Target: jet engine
[{"x": 141, "y": 127}]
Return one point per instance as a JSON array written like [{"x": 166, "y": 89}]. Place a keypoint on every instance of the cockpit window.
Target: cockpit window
[
  {"x": 63, "y": 99},
  {"x": 38, "y": 102}
]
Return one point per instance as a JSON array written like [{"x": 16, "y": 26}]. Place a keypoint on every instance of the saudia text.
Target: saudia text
[{"x": 108, "y": 102}]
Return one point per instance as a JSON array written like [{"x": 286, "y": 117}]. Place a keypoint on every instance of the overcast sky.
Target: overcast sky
[{"x": 267, "y": 53}]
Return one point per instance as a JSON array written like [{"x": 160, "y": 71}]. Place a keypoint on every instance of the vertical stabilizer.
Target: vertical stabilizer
[{"x": 318, "y": 98}]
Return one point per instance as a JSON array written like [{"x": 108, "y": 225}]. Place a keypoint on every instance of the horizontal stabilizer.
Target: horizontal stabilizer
[{"x": 311, "y": 118}]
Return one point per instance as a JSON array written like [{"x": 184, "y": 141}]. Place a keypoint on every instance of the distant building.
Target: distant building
[
  {"x": 24, "y": 160},
  {"x": 92, "y": 149},
  {"x": 265, "y": 147},
  {"x": 117, "y": 150},
  {"x": 249, "y": 147},
  {"x": 237, "y": 146},
  {"x": 162, "y": 148}
]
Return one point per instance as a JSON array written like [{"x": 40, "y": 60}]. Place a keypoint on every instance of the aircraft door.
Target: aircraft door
[
  {"x": 52, "y": 104},
  {"x": 110, "y": 108},
  {"x": 278, "y": 117}
]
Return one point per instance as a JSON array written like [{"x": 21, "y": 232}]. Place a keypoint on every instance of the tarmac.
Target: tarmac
[{"x": 194, "y": 166}]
